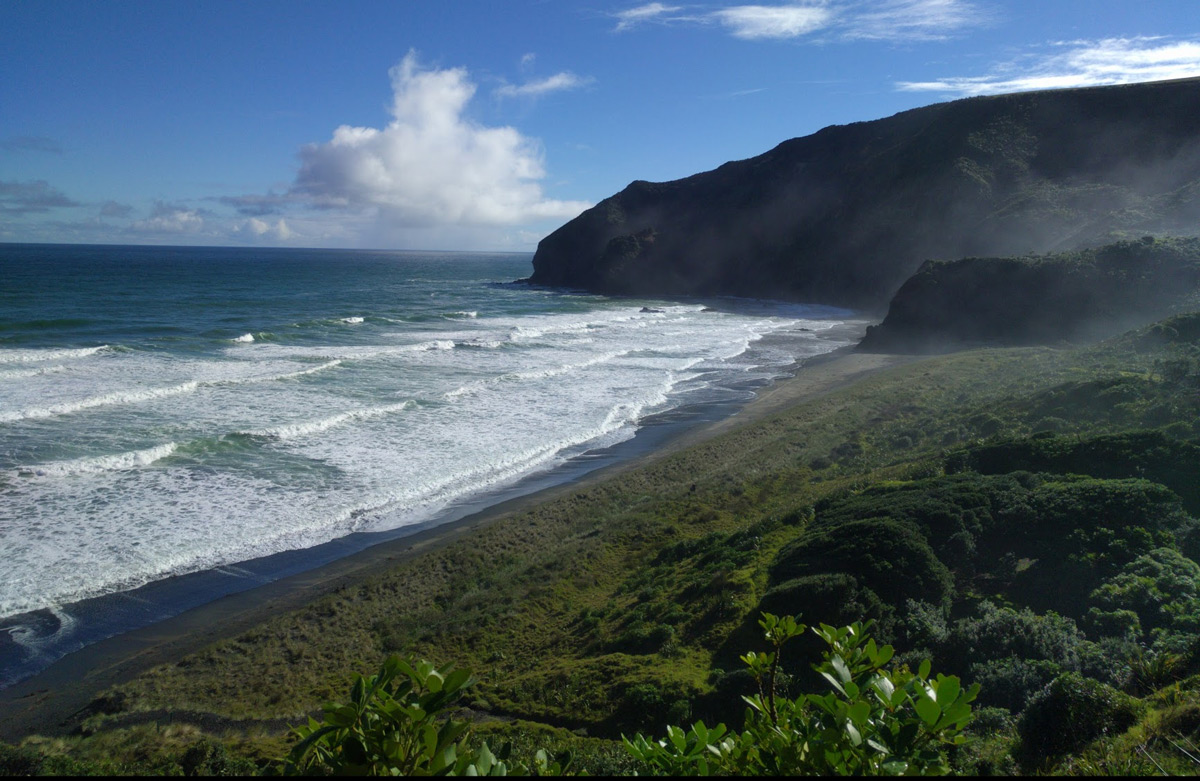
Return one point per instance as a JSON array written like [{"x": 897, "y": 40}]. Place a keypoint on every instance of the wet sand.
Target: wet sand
[{"x": 55, "y": 699}]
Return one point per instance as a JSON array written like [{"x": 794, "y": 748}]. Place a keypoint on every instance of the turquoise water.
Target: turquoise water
[{"x": 172, "y": 410}]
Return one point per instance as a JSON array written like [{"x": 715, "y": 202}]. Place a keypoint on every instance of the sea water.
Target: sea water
[{"x": 165, "y": 411}]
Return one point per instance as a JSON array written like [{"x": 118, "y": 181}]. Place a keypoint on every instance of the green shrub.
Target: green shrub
[
  {"x": 1070, "y": 713},
  {"x": 16, "y": 761},
  {"x": 1160, "y": 589},
  {"x": 394, "y": 724},
  {"x": 1000, "y": 633},
  {"x": 873, "y": 720},
  {"x": 837, "y": 595},
  {"x": 1148, "y": 454},
  {"x": 888, "y": 557},
  {"x": 1008, "y": 684},
  {"x": 206, "y": 757}
]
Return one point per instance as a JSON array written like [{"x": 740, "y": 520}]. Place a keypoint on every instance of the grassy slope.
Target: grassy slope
[{"x": 606, "y": 610}]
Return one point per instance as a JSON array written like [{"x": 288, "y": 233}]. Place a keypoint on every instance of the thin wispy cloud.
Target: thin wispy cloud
[
  {"x": 882, "y": 20},
  {"x": 430, "y": 165},
  {"x": 628, "y": 19},
  {"x": 31, "y": 144},
  {"x": 1078, "y": 64},
  {"x": 913, "y": 20},
  {"x": 736, "y": 94},
  {"x": 533, "y": 89},
  {"x": 255, "y": 205}
]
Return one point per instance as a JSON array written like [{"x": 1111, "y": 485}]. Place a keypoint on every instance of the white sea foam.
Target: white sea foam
[
  {"x": 245, "y": 338},
  {"x": 307, "y": 428},
  {"x": 79, "y": 466},
  {"x": 27, "y": 356},
  {"x": 343, "y": 453},
  {"x": 122, "y": 397},
  {"x": 556, "y": 371},
  {"x": 34, "y": 641},
  {"x": 352, "y": 320},
  {"x": 17, "y": 374},
  {"x": 119, "y": 397},
  {"x": 285, "y": 376},
  {"x": 539, "y": 374}
]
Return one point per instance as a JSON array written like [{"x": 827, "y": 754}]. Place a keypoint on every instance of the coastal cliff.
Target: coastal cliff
[{"x": 845, "y": 215}]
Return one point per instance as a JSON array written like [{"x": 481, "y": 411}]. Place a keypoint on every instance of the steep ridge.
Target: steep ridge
[{"x": 845, "y": 215}]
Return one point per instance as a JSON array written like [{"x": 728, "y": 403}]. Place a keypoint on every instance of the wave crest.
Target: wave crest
[
  {"x": 93, "y": 464},
  {"x": 28, "y": 356}
]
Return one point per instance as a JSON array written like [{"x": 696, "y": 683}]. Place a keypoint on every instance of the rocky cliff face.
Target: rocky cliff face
[
  {"x": 845, "y": 215},
  {"x": 1075, "y": 296}
]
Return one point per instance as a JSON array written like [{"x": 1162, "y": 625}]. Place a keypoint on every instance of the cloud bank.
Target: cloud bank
[
  {"x": 1078, "y": 64},
  {"x": 431, "y": 165},
  {"x": 172, "y": 219},
  {"x": 37, "y": 197}
]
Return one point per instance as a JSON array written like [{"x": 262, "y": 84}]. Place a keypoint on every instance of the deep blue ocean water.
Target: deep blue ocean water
[{"x": 166, "y": 411}]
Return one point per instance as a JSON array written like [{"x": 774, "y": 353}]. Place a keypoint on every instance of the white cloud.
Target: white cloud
[
  {"x": 430, "y": 165},
  {"x": 262, "y": 229},
  {"x": 627, "y": 20},
  {"x": 558, "y": 82},
  {"x": 753, "y": 22},
  {"x": 1083, "y": 64},
  {"x": 913, "y": 20},
  {"x": 173, "y": 219}
]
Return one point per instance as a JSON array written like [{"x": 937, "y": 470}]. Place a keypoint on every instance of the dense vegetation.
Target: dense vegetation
[
  {"x": 845, "y": 215},
  {"x": 1069, "y": 296},
  {"x": 1024, "y": 518},
  {"x": 876, "y": 720}
]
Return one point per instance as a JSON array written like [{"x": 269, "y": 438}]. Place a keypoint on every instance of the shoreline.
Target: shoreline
[{"x": 47, "y": 701}]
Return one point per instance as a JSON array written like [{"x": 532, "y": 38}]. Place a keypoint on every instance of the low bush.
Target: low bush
[
  {"x": 888, "y": 557},
  {"x": 1070, "y": 713}
]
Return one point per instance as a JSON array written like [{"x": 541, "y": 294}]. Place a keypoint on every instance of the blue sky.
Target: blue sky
[{"x": 450, "y": 124}]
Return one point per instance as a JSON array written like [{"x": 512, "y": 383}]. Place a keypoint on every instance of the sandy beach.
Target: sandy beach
[{"x": 48, "y": 701}]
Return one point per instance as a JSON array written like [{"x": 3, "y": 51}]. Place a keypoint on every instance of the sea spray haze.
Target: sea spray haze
[{"x": 172, "y": 410}]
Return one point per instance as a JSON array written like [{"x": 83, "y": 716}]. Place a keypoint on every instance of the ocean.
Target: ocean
[{"x": 172, "y": 411}]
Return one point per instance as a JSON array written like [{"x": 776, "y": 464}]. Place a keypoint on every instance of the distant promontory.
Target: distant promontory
[{"x": 846, "y": 215}]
